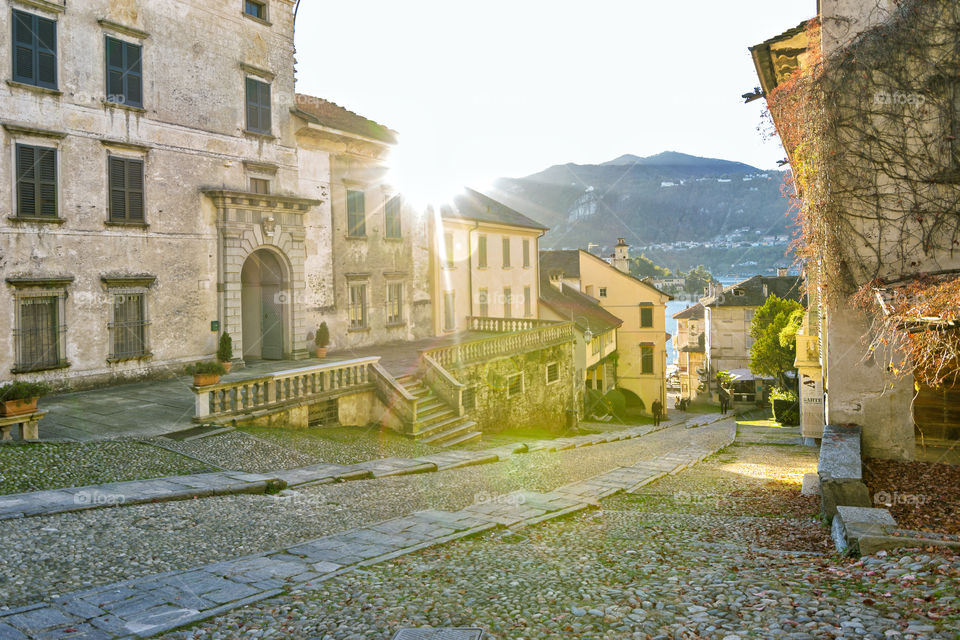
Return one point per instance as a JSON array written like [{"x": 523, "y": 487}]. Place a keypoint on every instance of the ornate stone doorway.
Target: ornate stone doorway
[{"x": 263, "y": 297}]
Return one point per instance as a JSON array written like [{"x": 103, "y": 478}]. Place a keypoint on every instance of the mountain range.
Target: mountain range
[{"x": 666, "y": 198}]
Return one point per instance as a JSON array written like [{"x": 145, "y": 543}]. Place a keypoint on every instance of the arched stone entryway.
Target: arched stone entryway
[{"x": 264, "y": 299}]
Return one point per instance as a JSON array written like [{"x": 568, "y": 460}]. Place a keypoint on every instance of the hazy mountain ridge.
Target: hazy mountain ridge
[{"x": 666, "y": 198}]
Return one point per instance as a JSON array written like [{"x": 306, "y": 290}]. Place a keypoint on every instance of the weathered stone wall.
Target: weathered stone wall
[{"x": 540, "y": 405}]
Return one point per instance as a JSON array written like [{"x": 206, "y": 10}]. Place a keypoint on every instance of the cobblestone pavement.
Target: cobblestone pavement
[
  {"x": 727, "y": 550},
  {"x": 520, "y": 491}
]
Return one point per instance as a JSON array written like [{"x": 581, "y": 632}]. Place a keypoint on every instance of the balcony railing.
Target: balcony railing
[
  {"x": 282, "y": 388},
  {"x": 502, "y": 345},
  {"x": 505, "y": 325}
]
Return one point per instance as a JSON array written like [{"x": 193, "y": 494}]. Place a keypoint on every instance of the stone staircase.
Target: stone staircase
[{"x": 435, "y": 422}]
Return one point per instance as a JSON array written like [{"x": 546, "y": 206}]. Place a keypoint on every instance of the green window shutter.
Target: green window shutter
[
  {"x": 126, "y": 190},
  {"x": 118, "y": 189},
  {"x": 34, "y": 50},
  {"x": 47, "y": 182},
  {"x": 26, "y": 181},
  {"x": 36, "y": 182},
  {"x": 266, "y": 117},
  {"x": 134, "y": 175},
  {"x": 258, "y": 106}
]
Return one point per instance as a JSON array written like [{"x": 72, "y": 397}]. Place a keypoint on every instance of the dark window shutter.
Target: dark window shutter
[
  {"x": 124, "y": 73},
  {"x": 265, "y": 115},
  {"x": 114, "y": 70},
  {"x": 46, "y": 52},
  {"x": 253, "y": 111},
  {"x": 34, "y": 50},
  {"x": 118, "y": 193},
  {"x": 135, "y": 190},
  {"x": 23, "y": 43},
  {"x": 26, "y": 181},
  {"x": 134, "y": 67},
  {"x": 47, "y": 182}
]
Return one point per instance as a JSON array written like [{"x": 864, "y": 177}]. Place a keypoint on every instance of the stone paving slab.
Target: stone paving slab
[
  {"x": 319, "y": 474},
  {"x": 454, "y": 459},
  {"x": 385, "y": 467}
]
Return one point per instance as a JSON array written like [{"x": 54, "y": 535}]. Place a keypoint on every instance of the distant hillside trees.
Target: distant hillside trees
[
  {"x": 697, "y": 279},
  {"x": 644, "y": 267}
]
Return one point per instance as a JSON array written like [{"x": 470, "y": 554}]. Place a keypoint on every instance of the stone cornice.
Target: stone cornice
[
  {"x": 33, "y": 131},
  {"x": 244, "y": 199},
  {"x": 24, "y": 282},
  {"x": 133, "y": 32},
  {"x": 141, "y": 280}
]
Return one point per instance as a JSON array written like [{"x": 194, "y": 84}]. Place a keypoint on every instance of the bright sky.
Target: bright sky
[{"x": 510, "y": 87}]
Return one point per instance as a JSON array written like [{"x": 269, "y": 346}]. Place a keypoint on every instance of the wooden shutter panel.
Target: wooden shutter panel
[
  {"x": 134, "y": 171},
  {"x": 253, "y": 111},
  {"x": 26, "y": 181},
  {"x": 114, "y": 70},
  {"x": 134, "y": 74},
  {"x": 47, "y": 182},
  {"x": 264, "y": 101},
  {"x": 23, "y": 43},
  {"x": 118, "y": 199},
  {"x": 46, "y": 52}
]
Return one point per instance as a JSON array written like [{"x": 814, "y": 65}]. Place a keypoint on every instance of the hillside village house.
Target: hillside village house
[
  {"x": 595, "y": 331},
  {"x": 863, "y": 87},
  {"x": 377, "y": 289},
  {"x": 485, "y": 263},
  {"x": 728, "y": 313},
  {"x": 690, "y": 344},
  {"x": 150, "y": 194},
  {"x": 641, "y": 339}
]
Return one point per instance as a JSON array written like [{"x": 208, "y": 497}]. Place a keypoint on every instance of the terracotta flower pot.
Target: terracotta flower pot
[
  {"x": 321, "y": 352},
  {"x": 205, "y": 379},
  {"x": 18, "y": 407},
  {"x": 227, "y": 365}
]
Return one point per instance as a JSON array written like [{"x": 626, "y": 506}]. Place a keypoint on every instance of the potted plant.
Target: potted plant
[
  {"x": 321, "y": 339},
  {"x": 225, "y": 351},
  {"x": 206, "y": 373},
  {"x": 19, "y": 398}
]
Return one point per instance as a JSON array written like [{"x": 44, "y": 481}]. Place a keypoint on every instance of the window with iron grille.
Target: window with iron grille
[
  {"x": 483, "y": 298},
  {"x": 128, "y": 327},
  {"x": 449, "y": 311},
  {"x": 526, "y": 253},
  {"x": 255, "y": 9},
  {"x": 260, "y": 186},
  {"x": 34, "y": 50},
  {"x": 506, "y": 253},
  {"x": 391, "y": 215},
  {"x": 469, "y": 398},
  {"x": 481, "y": 252},
  {"x": 553, "y": 372},
  {"x": 259, "y": 114},
  {"x": 124, "y": 73},
  {"x": 646, "y": 359},
  {"x": 507, "y": 302},
  {"x": 356, "y": 214},
  {"x": 646, "y": 316},
  {"x": 126, "y": 189},
  {"x": 395, "y": 303},
  {"x": 39, "y": 332},
  {"x": 514, "y": 384},
  {"x": 357, "y": 310},
  {"x": 527, "y": 302},
  {"x": 36, "y": 182}
]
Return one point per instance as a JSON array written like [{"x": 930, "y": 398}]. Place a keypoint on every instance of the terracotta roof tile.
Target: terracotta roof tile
[{"x": 330, "y": 114}]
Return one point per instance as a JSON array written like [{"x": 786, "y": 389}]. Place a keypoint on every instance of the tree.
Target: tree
[
  {"x": 696, "y": 280},
  {"x": 770, "y": 355},
  {"x": 644, "y": 267}
]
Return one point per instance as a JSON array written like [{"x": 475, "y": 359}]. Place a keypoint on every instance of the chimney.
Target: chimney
[
  {"x": 621, "y": 256},
  {"x": 783, "y": 271},
  {"x": 556, "y": 280}
]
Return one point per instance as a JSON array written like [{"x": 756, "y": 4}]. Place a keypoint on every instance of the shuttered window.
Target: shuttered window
[
  {"x": 259, "y": 118},
  {"x": 646, "y": 359},
  {"x": 36, "y": 182},
  {"x": 527, "y": 302},
  {"x": 506, "y": 253},
  {"x": 124, "y": 73},
  {"x": 34, "y": 50},
  {"x": 392, "y": 218},
  {"x": 449, "y": 311},
  {"x": 483, "y": 300},
  {"x": 526, "y": 253},
  {"x": 482, "y": 252},
  {"x": 128, "y": 326},
  {"x": 38, "y": 333},
  {"x": 356, "y": 214},
  {"x": 357, "y": 310},
  {"x": 394, "y": 303},
  {"x": 646, "y": 316},
  {"x": 126, "y": 190},
  {"x": 507, "y": 302}
]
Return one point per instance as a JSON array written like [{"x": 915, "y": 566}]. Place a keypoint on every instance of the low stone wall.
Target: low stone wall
[
  {"x": 539, "y": 404},
  {"x": 840, "y": 470}
]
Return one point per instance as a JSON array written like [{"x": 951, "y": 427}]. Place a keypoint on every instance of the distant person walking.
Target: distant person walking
[
  {"x": 724, "y": 401},
  {"x": 657, "y": 409}
]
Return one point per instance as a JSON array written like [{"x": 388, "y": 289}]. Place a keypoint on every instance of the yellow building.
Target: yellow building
[
  {"x": 641, "y": 339},
  {"x": 485, "y": 263},
  {"x": 690, "y": 346},
  {"x": 595, "y": 331}
]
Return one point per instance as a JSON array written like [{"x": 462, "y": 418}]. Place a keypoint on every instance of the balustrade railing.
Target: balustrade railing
[
  {"x": 281, "y": 388},
  {"x": 505, "y": 325},
  {"x": 499, "y": 346},
  {"x": 443, "y": 383}
]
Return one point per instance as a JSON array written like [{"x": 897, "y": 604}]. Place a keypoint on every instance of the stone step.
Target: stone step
[
  {"x": 429, "y": 405},
  {"x": 462, "y": 430},
  {"x": 429, "y": 430},
  {"x": 434, "y": 416}
]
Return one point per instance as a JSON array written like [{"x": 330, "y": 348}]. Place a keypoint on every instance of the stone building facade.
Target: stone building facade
[{"x": 148, "y": 155}]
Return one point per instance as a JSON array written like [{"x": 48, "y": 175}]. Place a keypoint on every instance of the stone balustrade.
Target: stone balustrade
[
  {"x": 282, "y": 388},
  {"x": 501, "y": 346},
  {"x": 505, "y": 325}
]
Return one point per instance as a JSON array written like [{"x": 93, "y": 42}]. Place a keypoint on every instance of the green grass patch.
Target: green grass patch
[{"x": 344, "y": 445}]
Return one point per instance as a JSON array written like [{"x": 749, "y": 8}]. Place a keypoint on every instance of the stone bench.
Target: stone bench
[
  {"x": 29, "y": 424},
  {"x": 841, "y": 471}
]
